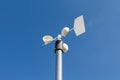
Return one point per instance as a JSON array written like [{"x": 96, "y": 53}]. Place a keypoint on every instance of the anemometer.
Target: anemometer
[{"x": 60, "y": 47}]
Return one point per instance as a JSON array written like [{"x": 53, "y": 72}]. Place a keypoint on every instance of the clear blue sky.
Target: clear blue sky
[{"x": 94, "y": 55}]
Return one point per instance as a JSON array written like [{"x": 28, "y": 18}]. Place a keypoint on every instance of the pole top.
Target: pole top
[{"x": 59, "y": 37}]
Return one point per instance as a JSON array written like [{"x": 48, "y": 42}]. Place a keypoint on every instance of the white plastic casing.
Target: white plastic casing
[{"x": 59, "y": 37}]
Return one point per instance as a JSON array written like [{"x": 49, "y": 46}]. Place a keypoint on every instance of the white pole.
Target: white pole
[
  {"x": 59, "y": 50},
  {"x": 59, "y": 65}
]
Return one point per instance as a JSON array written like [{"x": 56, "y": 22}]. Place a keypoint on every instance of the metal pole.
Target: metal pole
[
  {"x": 59, "y": 65},
  {"x": 59, "y": 52}
]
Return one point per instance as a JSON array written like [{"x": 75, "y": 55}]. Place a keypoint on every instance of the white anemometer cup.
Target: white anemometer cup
[
  {"x": 65, "y": 47},
  {"x": 65, "y": 31},
  {"x": 47, "y": 39}
]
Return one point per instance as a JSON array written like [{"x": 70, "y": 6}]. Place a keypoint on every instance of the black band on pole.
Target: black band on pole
[{"x": 59, "y": 45}]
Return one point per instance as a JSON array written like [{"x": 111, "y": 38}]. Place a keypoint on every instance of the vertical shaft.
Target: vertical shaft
[
  {"x": 59, "y": 65},
  {"x": 58, "y": 51}
]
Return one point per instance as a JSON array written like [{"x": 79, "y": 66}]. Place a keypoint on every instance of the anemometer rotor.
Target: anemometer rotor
[{"x": 79, "y": 28}]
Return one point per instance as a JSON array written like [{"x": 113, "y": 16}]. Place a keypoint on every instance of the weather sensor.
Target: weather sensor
[{"x": 60, "y": 47}]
